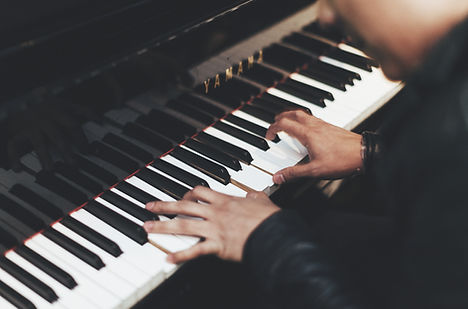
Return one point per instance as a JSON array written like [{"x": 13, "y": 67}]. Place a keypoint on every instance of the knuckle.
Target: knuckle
[{"x": 198, "y": 190}]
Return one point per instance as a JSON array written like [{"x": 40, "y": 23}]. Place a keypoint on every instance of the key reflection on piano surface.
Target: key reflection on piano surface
[{"x": 75, "y": 220}]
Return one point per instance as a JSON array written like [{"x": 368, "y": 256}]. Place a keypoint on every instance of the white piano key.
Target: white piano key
[
  {"x": 153, "y": 169},
  {"x": 188, "y": 239},
  {"x": 146, "y": 257},
  {"x": 327, "y": 114},
  {"x": 226, "y": 189},
  {"x": 341, "y": 102},
  {"x": 167, "y": 241},
  {"x": 370, "y": 88},
  {"x": 128, "y": 197},
  {"x": 281, "y": 148},
  {"x": 68, "y": 298},
  {"x": 249, "y": 175},
  {"x": 123, "y": 275},
  {"x": 269, "y": 161},
  {"x": 5, "y": 304},
  {"x": 103, "y": 276},
  {"x": 291, "y": 142},
  {"x": 98, "y": 291},
  {"x": 16, "y": 285},
  {"x": 143, "y": 185}
]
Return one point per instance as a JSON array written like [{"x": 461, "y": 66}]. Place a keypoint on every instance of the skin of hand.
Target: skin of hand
[
  {"x": 333, "y": 152},
  {"x": 226, "y": 223}
]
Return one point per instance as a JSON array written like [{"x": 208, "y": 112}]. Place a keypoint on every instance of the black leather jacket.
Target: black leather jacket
[{"x": 422, "y": 175}]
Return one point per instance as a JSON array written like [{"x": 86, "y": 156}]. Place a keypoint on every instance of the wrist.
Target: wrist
[{"x": 371, "y": 148}]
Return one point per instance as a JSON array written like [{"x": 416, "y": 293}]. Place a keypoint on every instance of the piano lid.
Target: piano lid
[{"x": 46, "y": 40}]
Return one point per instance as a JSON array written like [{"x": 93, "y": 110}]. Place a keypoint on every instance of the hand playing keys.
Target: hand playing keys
[{"x": 227, "y": 221}]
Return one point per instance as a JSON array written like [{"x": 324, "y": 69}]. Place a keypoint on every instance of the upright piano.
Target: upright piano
[{"x": 107, "y": 105}]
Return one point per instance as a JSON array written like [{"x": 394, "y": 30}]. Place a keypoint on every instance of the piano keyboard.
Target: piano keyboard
[{"x": 71, "y": 243}]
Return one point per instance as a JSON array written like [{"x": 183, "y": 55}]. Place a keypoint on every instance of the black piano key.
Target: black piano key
[
  {"x": 214, "y": 153},
  {"x": 263, "y": 75},
  {"x": 214, "y": 170},
  {"x": 310, "y": 90},
  {"x": 15, "y": 298},
  {"x": 74, "y": 248},
  {"x": 60, "y": 187},
  {"x": 260, "y": 113},
  {"x": 202, "y": 105},
  {"x": 286, "y": 105},
  {"x": 167, "y": 124},
  {"x": 250, "y": 126},
  {"x": 232, "y": 150},
  {"x": 292, "y": 90},
  {"x": 114, "y": 157},
  {"x": 324, "y": 78},
  {"x": 38, "y": 202},
  {"x": 124, "y": 225},
  {"x": 128, "y": 147},
  {"x": 264, "y": 104},
  {"x": 127, "y": 206},
  {"x": 76, "y": 176},
  {"x": 312, "y": 45},
  {"x": 162, "y": 183},
  {"x": 343, "y": 74},
  {"x": 179, "y": 173},
  {"x": 327, "y": 74},
  {"x": 136, "y": 193},
  {"x": 147, "y": 136},
  {"x": 241, "y": 89},
  {"x": 243, "y": 135},
  {"x": 352, "y": 59},
  {"x": 28, "y": 280},
  {"x": 46, "y": 266},
  {"x": 192, "y": 112},
  {"x": 285, "y": 58},
  {"x": 233, "y": 93},
  {"x": 7, "y": 240},
  {"x": 227, "y": 96},
  {"x": 93, "y": 236},
  {"x": 22, "y": 214},
  {"x": 163, "y": 129},
  {"x": 330, "y": 33},
  {"x": 95, "y": 170}
]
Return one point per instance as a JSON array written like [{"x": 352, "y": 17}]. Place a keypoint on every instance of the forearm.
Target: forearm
[{"x": 291, "y": 269}]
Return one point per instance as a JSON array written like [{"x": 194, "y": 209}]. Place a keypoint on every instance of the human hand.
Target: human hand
[
  {"x": 227, "y": 221},
  {"x": 333, "y": 152}
]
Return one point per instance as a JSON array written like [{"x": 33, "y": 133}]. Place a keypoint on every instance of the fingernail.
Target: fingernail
[
  {"x": 148, "y": 226},
  {"x": 150, "y": 205},
  {"x": 278, "y": 179}
]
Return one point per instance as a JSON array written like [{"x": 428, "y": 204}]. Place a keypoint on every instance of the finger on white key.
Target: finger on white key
[
  {"x": 215, "y": 185},
  {"x": 167, "y": 241},
  {"x": 151, "y": 260},
  {"x": 248, "y": 176}
]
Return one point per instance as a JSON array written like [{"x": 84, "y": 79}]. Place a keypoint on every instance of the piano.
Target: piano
[{"x": 89, "y": 138}]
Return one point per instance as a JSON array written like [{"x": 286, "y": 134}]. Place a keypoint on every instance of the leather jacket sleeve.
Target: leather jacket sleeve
[{"x": 292, "y": 270}]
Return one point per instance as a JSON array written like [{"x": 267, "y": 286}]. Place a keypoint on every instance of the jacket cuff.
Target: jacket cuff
[{"x": 266, "y": 246}]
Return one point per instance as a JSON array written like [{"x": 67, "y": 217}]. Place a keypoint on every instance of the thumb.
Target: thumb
[{"x": 290, "y": 173}]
